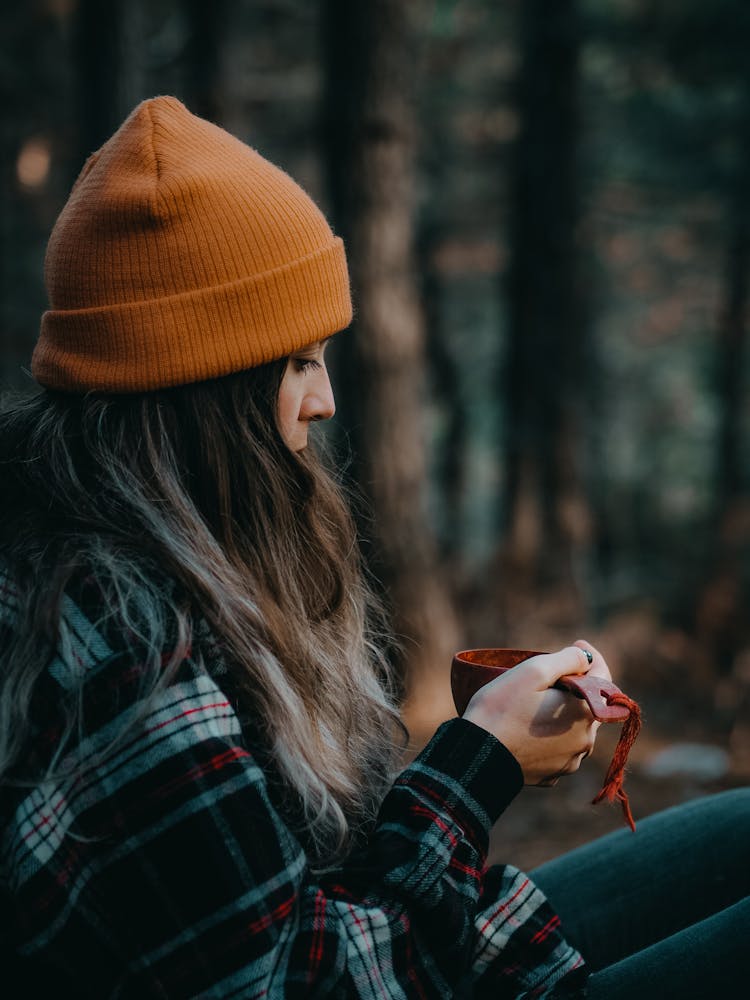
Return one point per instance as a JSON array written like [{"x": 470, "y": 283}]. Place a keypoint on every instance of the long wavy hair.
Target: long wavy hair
[{"x": 258, "y": 542}]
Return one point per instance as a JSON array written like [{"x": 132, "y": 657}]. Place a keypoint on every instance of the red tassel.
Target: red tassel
[{"x": 612, "y": 788}]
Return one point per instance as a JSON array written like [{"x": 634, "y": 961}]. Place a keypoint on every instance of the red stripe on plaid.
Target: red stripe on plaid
[
  {"x": 544, "y": 932},
  {"x": 366, "y": 938},
  {"x": 44, "y": 821},
  {"x": 475, "y": 873},
  {"x": 503, "y": 906},
  {"x": 214, "y": 764},
  {"x": 186, "y": 713},
  {"x": 318, "y": 928},
  {"x": 440, "y": 801},
  {"x": 434, "y": 818},
  {"x": 281, "y": 912}
]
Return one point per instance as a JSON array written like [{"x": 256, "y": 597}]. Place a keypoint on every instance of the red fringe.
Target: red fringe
[{"x": 612, "y": 788}]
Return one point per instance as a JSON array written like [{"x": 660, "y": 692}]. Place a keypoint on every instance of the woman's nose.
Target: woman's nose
[{"x": 319, "y": 403}]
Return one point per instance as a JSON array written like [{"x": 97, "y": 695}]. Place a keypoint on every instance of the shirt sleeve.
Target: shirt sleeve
[{"x": 164, "y": 870}]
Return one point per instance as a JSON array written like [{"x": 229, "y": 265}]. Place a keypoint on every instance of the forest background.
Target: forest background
[{"x": 546, "y": 205}]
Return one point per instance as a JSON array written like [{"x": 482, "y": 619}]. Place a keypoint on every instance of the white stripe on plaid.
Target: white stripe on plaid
[
  {"x": 369, "y": 934},
  {"x": 81, "y": 649},
  {"x": 190, "y": 712},
  {"x": 516, "y": 905},
  {"x": 455, "y": 787}
]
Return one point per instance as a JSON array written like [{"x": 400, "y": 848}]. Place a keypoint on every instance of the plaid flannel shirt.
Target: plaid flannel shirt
[{"x": 166, "y": 870}]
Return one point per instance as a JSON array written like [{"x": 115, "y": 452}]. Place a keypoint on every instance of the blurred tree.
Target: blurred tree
[
  {"x": 371, "y": 58},
  {"x": 98, "y": 55},
  {"x": 451, "y": 472},
  {"x": 469, "y": 122},
  {"x": 704, "y": 48},
  {"x": 203, "y": 81},
  {"x": 543, "y": 385}
]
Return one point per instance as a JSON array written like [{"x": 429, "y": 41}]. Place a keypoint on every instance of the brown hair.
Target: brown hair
[{"x": 259, "y": 540}]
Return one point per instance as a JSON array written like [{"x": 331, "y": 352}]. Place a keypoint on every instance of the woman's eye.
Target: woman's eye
[{"x": 307, "y": 364}]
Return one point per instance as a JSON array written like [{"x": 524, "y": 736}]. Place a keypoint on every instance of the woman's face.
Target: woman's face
[{"x": 305, "y": 394}]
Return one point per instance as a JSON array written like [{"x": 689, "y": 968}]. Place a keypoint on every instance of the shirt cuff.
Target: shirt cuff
[{"x": 480, "y": 777}]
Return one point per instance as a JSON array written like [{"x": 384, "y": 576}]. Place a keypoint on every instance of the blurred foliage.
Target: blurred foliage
[{"x": 663, "y": 157}]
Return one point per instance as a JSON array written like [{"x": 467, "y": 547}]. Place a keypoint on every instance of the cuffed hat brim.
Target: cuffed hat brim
[{"x": 181, "y": 255}]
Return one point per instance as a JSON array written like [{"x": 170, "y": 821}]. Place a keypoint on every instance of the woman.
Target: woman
[{"x": 199, "y": 742}]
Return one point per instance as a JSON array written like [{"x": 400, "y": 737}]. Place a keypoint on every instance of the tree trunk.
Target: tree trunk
[
  {"x": 98, "y": 30},
  {"x": 546, "y": 517},
  {"x": 205, "y": 23},
  {"x": 370, "y": 145},
  {"x": 444, "y": 378}
]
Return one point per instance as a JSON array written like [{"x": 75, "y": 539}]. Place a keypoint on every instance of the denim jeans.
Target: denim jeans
[{"x": 663, "y": 912}]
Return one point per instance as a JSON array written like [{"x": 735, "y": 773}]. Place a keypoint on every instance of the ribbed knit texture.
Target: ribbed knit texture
[{"x": 181, "y": 255}]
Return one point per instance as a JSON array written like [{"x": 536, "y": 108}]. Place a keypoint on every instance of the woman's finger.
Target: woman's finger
[
  {"x": 599, "y": 667},
  {"x": 550, "y": 667}
]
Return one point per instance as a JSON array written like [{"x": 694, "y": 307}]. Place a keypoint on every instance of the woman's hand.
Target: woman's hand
[{"x": 549, "y": 732}]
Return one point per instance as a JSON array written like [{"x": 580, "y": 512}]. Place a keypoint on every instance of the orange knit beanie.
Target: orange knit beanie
[{"x": 182, "y": 255}]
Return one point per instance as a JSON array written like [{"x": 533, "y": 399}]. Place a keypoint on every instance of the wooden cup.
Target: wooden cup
[{"x": 473, "y": 668}]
